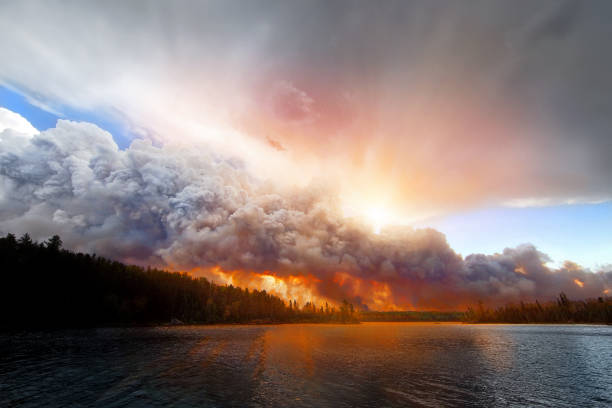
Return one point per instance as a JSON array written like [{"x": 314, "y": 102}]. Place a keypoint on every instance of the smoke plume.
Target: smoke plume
[{"x": 187, "y": 208}]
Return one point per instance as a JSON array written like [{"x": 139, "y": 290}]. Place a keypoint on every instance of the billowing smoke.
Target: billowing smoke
[{"x": 185, "y": 208}]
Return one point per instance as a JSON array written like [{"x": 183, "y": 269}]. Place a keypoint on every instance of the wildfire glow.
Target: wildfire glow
[
  {"x": 299, "y": 288},
  {"x": 520, "y": 269},
  {"x": 332, "y": 288},
  {"x": 307, "y": 288}
]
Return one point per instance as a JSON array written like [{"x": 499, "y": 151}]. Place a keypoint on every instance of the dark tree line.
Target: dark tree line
[
  {"x": 412, "y": 316},
  {"x": 43, "y": 285},
  {"x": 562, "y": 310}
]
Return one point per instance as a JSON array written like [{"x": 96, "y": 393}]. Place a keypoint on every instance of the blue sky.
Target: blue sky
[
  {"x": 42, "y": 119},
  {"x": 581, "y": 233}
]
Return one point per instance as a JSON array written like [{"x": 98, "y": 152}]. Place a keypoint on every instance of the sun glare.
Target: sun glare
[{"x": 378, "y": 217}]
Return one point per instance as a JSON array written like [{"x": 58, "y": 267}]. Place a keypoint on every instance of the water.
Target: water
[{"x": 366, "y": 365}]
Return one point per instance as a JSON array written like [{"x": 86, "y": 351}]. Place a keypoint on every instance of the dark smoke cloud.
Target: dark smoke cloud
[{"x": 187, "y": 207}]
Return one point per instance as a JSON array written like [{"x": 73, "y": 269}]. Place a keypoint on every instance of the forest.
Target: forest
[
  {"x": 43, "y": 285},
  {"x": 562, "y": 310},
  {"x": 411, "y": 316}
]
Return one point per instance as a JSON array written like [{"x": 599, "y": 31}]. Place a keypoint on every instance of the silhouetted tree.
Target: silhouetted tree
[
  {"x": 25, "y": 240},
  {"x": 54, "y": 243},
  {"x": 43, "y": 285},
  {"x": 563, "y": 310}
]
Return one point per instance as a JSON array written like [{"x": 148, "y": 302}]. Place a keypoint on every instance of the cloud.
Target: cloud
[
  {"x": 291, "y": 104},
  {"x": 15, "y": 122},
  {"x": 556, "y": 23},
  {"x": 192, "y": 209},
  {"x": 452, "y": 105}
]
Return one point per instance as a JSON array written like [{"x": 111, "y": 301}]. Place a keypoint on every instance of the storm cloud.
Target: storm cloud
[{"x": 192, "y": 209}]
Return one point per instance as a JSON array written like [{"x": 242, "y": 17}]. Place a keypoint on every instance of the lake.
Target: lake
[{"x": 363, "y": 365}]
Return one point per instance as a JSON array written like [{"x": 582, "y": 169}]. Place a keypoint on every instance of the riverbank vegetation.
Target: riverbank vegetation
[
  {"x": 563, "y": 310},
  {"x": 43, "y": 285},
  {"x": 411, "y": 316}
]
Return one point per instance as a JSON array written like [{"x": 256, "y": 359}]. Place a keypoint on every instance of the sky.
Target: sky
[{"x": 488, "y": 122}]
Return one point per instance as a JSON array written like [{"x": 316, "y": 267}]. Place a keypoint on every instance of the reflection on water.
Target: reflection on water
[{"x": 371, "y": 364}]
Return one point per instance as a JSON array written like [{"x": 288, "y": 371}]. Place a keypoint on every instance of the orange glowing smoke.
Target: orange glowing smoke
[
  {"x": 379, "y": 295},
  {"x": 307, "y": 288},
  {"x": 300, "y": 288},
  {"x": 520, "y": 269},
  {"x": 374, "y": 294}
]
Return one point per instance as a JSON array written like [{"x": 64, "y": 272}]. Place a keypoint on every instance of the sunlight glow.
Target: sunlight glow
[{"x": 378, "y": 217}]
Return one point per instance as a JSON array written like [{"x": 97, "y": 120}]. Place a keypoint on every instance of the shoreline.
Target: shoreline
[{"x": 9, "y": 330}]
